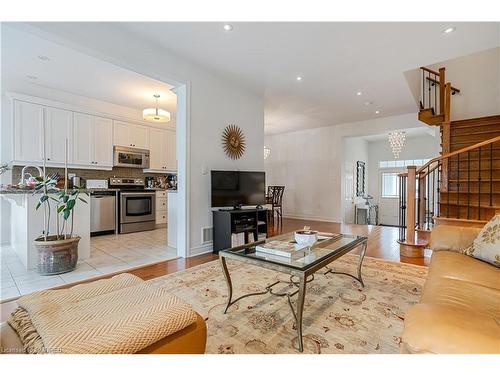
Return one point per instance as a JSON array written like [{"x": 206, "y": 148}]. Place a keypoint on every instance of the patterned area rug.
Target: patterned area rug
[{"x": 339, "y": 316}]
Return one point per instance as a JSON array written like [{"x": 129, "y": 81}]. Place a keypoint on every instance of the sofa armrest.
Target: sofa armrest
[{"x": 452, "y": 238}]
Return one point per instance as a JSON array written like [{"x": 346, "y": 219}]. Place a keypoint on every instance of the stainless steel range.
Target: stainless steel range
[{"x": 136, "y": 209}]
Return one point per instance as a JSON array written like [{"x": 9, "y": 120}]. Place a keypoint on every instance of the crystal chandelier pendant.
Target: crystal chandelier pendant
[{"x": 397, "y": 141}]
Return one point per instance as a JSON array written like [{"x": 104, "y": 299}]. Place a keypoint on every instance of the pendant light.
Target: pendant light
[{"x": 156, "y": 114}]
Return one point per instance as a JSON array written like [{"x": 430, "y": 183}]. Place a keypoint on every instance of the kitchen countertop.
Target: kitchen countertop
[{"x": 89, "y": 191}]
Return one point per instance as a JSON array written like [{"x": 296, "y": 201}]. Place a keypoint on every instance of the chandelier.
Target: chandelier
[
  {"x": 397, "y": 141},
  {"x": 156, "y": 114},
  {"x": 267, "y": 152}
]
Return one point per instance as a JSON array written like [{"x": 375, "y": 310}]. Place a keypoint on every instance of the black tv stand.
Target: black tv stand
[{"x": 247, "y": 224}]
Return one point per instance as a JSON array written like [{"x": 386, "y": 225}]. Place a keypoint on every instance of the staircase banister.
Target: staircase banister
[
  {"x": 462, "y": 150},
  {"x": 429, "y": 70},
  {"x": 437, "y": 83}
]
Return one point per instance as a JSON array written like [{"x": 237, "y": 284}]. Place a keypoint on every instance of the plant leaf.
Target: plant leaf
[
  {"x": 60, "y": 208},
  {"x": 70, "y": 204},
  {"x": 83, "y": 200},
  {"x": 38, "y": 206},
  {"x": 66, "y": 213}
]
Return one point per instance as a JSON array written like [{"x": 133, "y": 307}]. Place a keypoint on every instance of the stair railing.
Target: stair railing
[
  {"x": 464, "y": 191},
  {"x": 433, "y": 90}
]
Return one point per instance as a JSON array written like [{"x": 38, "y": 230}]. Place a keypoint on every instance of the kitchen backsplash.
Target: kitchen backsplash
[{"x": 94, "y": 174}]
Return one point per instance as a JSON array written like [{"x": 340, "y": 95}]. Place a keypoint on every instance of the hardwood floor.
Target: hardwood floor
[{"x": 382, "y": 243}]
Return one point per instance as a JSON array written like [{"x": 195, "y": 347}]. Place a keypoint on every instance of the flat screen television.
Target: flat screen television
[{"x": 235, "y": 188}]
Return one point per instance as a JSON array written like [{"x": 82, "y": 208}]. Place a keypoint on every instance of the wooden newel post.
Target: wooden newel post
[
  {"x": 411, "y": 247},
  {"x": 411, "y": 190}
]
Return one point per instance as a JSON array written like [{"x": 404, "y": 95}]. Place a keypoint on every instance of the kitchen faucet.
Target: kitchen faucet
[{"x": 23, "y": 173}]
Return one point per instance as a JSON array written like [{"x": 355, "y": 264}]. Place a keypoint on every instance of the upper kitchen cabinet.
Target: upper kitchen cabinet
[
  {"x": 162, "y": 157},
  {"x": 130, "y": 135},
  {"x": 58, "y": 129},
  {"x": 93, "y": 141},
  {"x": 28, "y": 133},
  {"x": 171, "y": 151},
  {"x": 102, "y": 146}
]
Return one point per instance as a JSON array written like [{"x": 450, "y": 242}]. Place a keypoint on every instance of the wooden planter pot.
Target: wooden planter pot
[{"x": 56, "y": 256}]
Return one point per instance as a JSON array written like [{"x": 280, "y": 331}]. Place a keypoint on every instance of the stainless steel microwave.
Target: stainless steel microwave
[{"x": 130, "y": 157}]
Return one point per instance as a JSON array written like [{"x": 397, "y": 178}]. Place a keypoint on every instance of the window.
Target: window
[{"x": 390, "y": 185}]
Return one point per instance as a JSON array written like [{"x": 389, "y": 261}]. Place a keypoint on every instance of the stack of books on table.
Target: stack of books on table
[{"x": 282, "y": 249}]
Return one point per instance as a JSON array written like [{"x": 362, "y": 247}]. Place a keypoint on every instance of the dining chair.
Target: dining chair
[{"x": 275, "y": 199}]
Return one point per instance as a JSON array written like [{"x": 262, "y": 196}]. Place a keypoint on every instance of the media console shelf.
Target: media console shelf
[{"x": 245, "y": 221}]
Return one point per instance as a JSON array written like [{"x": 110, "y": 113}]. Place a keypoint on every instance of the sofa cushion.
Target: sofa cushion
[
  {"x": 457, "y": 280},
  {"x": 445, "y": 329},
  {"x": 486, "y": 245},
  {"x": 461, "y": 267},
  {"x": 452, "y": 237}
]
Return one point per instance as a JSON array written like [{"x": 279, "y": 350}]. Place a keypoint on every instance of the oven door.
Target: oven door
[
  {"x": 137, "y": 207},
  {"x": 131, "y": 157}
]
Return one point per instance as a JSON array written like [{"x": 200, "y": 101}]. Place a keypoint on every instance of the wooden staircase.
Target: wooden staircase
[{"x": 459, "y": 187}]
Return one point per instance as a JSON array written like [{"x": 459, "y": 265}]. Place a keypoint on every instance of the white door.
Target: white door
[
  {"x": 349, "y": 193},
  {"x": 82, "y": 139},
  {"x": 121, "y": 134},
  {"x": 28, "y": 132},
  {"x": 156, "y": 148},
  {"x": 102, "y": 145},
  {"x": 58, "y": 128},
  {"x": 139, "y": 136},
  {"x": 171, "y": 151}
]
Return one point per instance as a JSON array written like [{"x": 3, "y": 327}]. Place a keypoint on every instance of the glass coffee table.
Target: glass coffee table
[{"x": 301, "y": 270}]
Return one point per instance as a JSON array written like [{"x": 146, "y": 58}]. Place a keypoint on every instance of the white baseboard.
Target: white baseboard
[
  {"x": 312, "y": 217},
  {"x": 202, "y": 249}
]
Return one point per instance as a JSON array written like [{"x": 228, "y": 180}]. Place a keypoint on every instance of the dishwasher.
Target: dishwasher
[{"x": 102, "y": 212}]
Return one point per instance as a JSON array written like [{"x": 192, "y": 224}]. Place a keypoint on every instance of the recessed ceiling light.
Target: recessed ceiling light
[
  {"x": 359, "y": 93},
  {"x": 449, "y": 30},
  {"x": 228, "y": 27},
  {"x": 43, "y": 57},
  {"x": 377, "y": 112},
  {"x": 368, "y": 103},
  {"x": 32, "y": 77},
  {"x": 299, "y": 78}
]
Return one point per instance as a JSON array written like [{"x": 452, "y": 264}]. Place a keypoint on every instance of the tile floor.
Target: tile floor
[{"x": 108, "y": 254}]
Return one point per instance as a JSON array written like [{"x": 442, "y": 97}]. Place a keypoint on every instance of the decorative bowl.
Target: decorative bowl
[{"x": 306, "y": 237}]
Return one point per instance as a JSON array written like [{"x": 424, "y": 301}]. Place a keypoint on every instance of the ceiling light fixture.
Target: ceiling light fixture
[
  {"x": 359, "y": 93},
  {"x": 449, "y": 30},
  {"x": 43, "y": 57},
  {"x": 377, "y": 112},
  {"x": 228, "y": 27},
  {"x": 156, "y": 114},
  {"x": 299, "y": 78},
  {"x": 397, "y": 141}
]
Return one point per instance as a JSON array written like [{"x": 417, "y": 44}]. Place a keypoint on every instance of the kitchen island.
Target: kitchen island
[{"x": 26, "y": 224}]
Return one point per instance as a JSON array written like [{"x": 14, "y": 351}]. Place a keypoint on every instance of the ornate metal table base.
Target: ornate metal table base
[{"x": 301, "y": 284}]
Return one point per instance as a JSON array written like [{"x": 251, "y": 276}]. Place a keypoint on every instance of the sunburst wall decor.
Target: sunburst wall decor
[{"x": 233, "y": 141}]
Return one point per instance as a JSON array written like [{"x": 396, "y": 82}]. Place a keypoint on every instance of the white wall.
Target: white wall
[
  {"x": 310, "y": 164},
  {"x": 416, "y": 147},
  {"x": 478, "y": 78},
  {"x": 214, "y": 103}
]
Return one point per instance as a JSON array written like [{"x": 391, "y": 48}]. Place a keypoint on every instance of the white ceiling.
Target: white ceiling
[
  {"x": 71, "y": 71},
  {"x": 335, "y": 60}
]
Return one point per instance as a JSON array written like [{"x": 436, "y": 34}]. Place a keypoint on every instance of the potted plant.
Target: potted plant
[{"x": 58, "y": 252}]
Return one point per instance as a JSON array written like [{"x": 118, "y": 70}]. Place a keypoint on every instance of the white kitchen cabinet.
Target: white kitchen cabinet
[
  {"x": 161, "y": 208},
  {"x": 130, "y": 135},
  {"x": 171, "y": 151},
  {"x": 102, "y": 145},
  {"x": 162, "y": 157},
  {"x": 93, "y": 141},
  {"x": 82, "y": 139},
  {"x": 28, "y": 133},
  {"x": 58, "y": 128}
]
